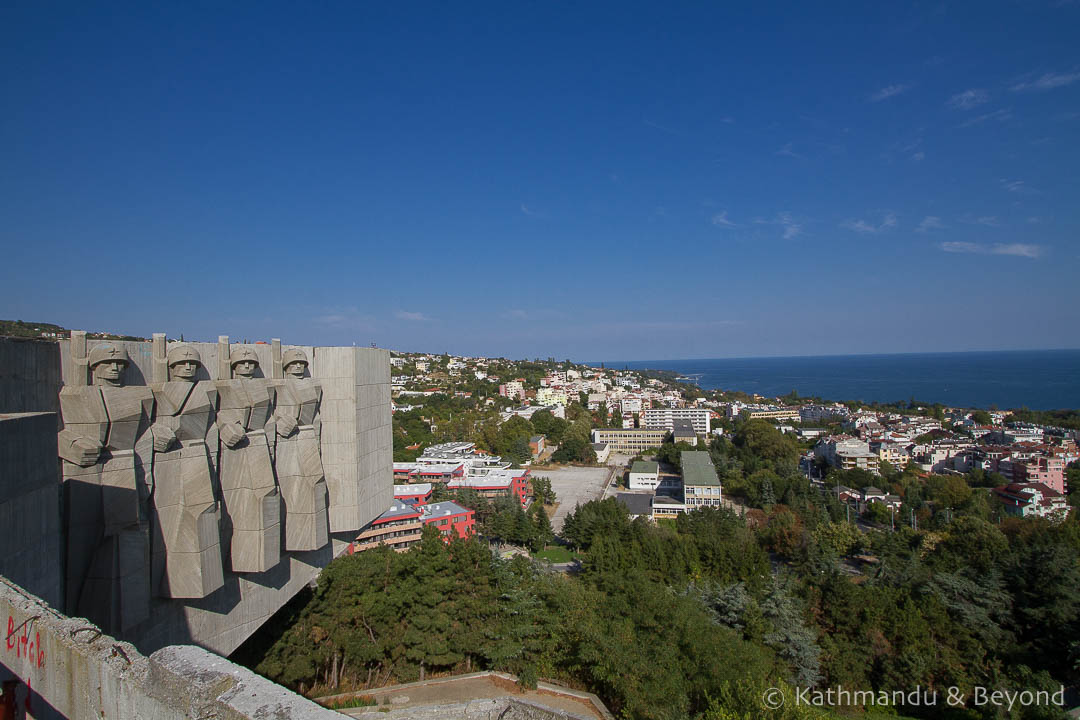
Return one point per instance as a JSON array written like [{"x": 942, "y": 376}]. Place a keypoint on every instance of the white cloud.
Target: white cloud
[
  {"x": 1021, "y": 249},
  {"x": 346, "y": 318},
  {"x": 1017, "y": 186},
  {"x": 889, "y": 91},
  {"x": 786, "y": 151},
  {"x": 987, "y": 220},
  {"x": 861, "y": 226},
  {"x": 515, "y": 314},
  {"x": 791, "y": 228},
  {"x": 526, "y": 210},
  {"x": 968, "y": 99},
  {"x": 919, "y": 156},
  {"x": 961, "y": 247},
  {"x": 1015, "y": 249},
  {"x": 1001, "y": 115},
  {"x": 930, "y": 222},
  {"x": 1034, "y": 220},
  {"x": 720, "y": 219},
  {"x": 1049, "y": 81},
  {"x": 411, "y": 316}
]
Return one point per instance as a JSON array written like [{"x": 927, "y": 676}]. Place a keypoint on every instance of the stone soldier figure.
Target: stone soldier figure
[
  {"x": 298, "y": 457},
  {"x": 250, "y": 495},
  {"x": 108, "y": 539},
  {"x": 187, "y": 550}
]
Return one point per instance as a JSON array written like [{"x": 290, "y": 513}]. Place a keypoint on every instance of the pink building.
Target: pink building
[{"x": 1046, "y": 469}]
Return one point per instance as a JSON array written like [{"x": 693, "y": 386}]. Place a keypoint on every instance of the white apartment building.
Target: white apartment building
[
  {"x": 512, "y": 389},
  {"x": 664, "y": 418},
  {"x": 552, "y": 396}
]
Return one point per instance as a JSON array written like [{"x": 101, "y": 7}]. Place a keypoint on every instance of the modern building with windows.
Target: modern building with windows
[
  {"x": 629, "y": 440},
  {"x": 701, "y": 486},
  {"x": 451, "y": 520},
  {"x": 644, "y": 475},
  {"x": 414, "y": 494},
  {"x": 664, "y": 418},
  {"x": 497, "y": 483},
  {"x": 1032, "y": 499},
  {"x": 399, "y": 527}
]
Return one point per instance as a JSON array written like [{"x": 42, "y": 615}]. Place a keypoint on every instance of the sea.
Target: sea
[{"x": 1035, "y": 379}]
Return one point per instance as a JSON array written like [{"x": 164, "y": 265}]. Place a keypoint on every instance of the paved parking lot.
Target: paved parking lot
[{"x": 573, "y": 485}]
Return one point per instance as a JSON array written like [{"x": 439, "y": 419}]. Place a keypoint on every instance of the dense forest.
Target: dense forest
[{"x": 699, "y": 617}]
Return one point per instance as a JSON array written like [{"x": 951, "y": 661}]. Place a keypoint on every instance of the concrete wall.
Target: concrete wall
[
  {"x": 66, "y": 668},
  {"x": 505, "y": 708},
  {"x": 29, "y": 376},
  {"x": 357, "y": 457},
  {"x": 30, "y": 547},
  {"x": 357, "y": 441}
]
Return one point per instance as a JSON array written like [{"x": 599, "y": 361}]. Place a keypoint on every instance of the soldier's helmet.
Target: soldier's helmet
[
  {"x": 182, "y": 353},
  {"x": 107, "y": 353},
  {"x": 242, "y": 354},
  {"x": 293, "y": 355}
]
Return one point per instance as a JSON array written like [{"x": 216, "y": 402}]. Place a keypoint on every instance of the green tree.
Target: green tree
[
  {"x": 542, "y": 531},
  {"x": 542, "y": 491}
]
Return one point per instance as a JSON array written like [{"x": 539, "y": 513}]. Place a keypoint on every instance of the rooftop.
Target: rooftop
[
  {"x": 635, "y": 503},
  {"x": 697, "y": 469},
  {"x": 443, "y": 509},
  {"x": 414, "y": 489},
  {"x": 645, "y": 466}
]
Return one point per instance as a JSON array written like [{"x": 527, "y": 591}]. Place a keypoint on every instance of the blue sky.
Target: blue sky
[{"x": 595, "y": 181}]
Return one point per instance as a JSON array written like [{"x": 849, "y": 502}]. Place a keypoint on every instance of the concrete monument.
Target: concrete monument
[
  {"x": 187, "y": 550},
  {"x": 108, "y": 535},
  {"x": 250, "y": 495},
  {"x": 298, "y": 458}
]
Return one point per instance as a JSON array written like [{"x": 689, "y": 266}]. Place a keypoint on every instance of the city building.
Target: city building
[
  {"x": 684, "y": 432},
  {"x": 629, "y": 440},
  {"x": 451, "y": 519},
  {"x": 644, "y": 475},
  {"x": 602, "y": 450},
  {"x": 823, "y": 413},
  {"x": 416, "y": 494},
  {"x": 701, "y": 486},
  {"x": 894, "y": 453},
  {"x": 1032, "y": 500},
  {"x": 770, "y": 414},
  {"x": 399, "y": 527},
  {"x": 552, "y": 396},
  {"x": 663, "y": 506},
  {"x": 497, "y": 483},
  {"x": 1046, "y": 469},
  {"x": 636, "y": 504},
  {"x": 536, "y": 445},
  {"x": 475, "y": 462},
  {"x": 512, "y": 389},
  {"x": 847, "y": 453},
  {"x": 664, "y": 418}
]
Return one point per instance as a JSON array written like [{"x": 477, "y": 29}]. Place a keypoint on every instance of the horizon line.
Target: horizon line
[{"x": 834, "y": 355}]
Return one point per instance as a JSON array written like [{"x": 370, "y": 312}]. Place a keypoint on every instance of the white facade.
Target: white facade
[
  {"x": 664, "y": 418},
  {"x": 644, "y": 476}
]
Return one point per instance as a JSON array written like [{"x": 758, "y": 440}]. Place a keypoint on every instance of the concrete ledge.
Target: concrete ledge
[
  {"x": 488, "y": 709},
  {"x": 68, "y": 669},
  {"x": 481, "y": 707}
]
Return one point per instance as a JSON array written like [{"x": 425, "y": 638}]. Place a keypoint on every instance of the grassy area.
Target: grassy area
[
  {"x": 350, "y": 702},
  {"x": 556, "y": 554}
]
